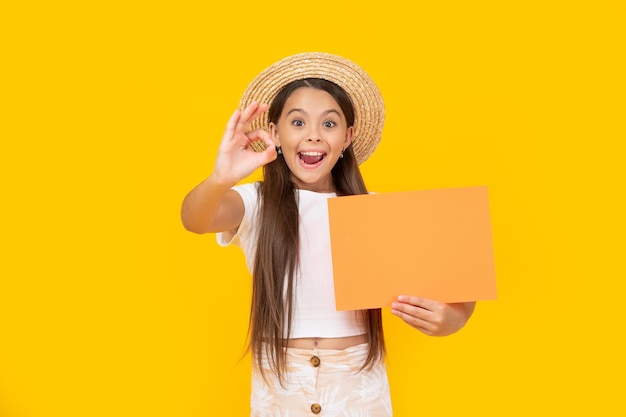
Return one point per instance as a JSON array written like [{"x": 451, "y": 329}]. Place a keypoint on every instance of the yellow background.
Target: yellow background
[{"x": 112, "y": 112}]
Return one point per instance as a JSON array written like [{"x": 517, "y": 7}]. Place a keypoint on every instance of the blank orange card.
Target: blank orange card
[{"x": 430, "y": 243}]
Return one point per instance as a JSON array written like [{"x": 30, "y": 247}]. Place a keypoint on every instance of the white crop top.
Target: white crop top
[{"x": 314, "y": 312}]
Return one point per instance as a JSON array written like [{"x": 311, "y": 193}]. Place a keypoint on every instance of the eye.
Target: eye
[
  {"x": 297, "y": 123},
  {"x": 329, "y": 123}
]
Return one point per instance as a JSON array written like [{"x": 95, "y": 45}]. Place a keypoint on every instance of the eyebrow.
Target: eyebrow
[{"x": 323, "y": 113}]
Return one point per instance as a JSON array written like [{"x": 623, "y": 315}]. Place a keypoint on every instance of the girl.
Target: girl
[{"x": 325, "y": 117}]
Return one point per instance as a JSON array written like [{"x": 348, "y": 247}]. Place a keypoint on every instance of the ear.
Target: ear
[
  {"x": 349, "y": 135},
  {"x": 274, "y": 133}
]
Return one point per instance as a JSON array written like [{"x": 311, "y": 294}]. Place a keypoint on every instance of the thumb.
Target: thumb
[
  {"x": 263, "y": 146},
  {"x": 268, "y": 155}
]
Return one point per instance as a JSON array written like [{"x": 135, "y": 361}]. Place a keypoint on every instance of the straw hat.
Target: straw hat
[{"x": 369, "y": 108}]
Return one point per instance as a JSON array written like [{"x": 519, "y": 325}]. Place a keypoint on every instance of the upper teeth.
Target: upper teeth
[{"x": 312, "y": 153}]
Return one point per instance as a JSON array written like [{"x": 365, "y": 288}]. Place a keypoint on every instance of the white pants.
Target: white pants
[{"x": 324, "y": 383}]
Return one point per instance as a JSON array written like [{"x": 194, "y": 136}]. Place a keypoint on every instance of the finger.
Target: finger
[
  {"x": 259, "y": 141},
  {"x": 270, "y": 151},
  {"x": 270, "y": 154},
  {"x": 263, "y": 157},
  {"x": 411, "y": 310},
  {"x": 260, "y": 134},
  {"x": 250, "y": 113},
  {"x": 419, "y": 302},
  {"x": 260, "y": 109},
  {"x": 416, "y": 322},
  {"x": 232, "y": 122},
  {"x": 244, "y": 119},
  {"x": 250, "y": 109}
]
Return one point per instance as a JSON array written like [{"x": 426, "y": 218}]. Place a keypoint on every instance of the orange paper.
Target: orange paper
[{"x": 431, "y": 243}]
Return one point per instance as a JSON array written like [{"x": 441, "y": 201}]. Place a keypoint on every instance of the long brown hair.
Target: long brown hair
[{"x": 278, "y": 244}]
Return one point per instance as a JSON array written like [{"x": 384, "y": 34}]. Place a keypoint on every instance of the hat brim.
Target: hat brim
[{"x": 369, "y": 108}]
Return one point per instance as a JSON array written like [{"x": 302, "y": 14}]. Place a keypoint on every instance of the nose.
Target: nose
[{"x": 314, "y": 135}]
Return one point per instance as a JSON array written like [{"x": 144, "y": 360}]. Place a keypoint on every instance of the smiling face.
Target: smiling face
[{"x": 312, "y": 131}]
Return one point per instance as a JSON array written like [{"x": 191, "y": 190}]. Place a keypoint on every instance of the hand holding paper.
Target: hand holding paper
[{"x": 430, "y": 317}]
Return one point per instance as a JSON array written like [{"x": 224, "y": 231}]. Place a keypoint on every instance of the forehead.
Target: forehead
[{"x": 311, "y": 98}]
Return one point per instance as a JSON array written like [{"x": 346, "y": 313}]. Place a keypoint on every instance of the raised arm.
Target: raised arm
[{"x": 212, "y": 206}]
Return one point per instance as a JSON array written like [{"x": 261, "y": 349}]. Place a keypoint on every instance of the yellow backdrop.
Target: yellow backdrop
[{"x": 112, "y": 112}]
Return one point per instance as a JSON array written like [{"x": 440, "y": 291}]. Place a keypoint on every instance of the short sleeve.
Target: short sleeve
[{"x": 248, "y": 193}]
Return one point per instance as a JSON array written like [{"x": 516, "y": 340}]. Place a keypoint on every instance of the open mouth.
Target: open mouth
[{"x": 311, "y": 158}]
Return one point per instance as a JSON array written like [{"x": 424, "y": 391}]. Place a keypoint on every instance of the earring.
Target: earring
[
  {"x": 341, "y": 154},
  {"x": 279, "y": 150}
]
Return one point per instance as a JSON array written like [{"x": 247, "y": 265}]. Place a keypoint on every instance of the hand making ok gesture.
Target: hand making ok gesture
[{"x": 236, "y": 159}]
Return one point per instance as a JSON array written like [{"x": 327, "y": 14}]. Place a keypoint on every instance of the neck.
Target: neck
[{"x": 325, "y": 187}]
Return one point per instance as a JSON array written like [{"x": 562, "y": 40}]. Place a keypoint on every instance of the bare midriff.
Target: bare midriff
[{"x": 334, "y": 343}]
